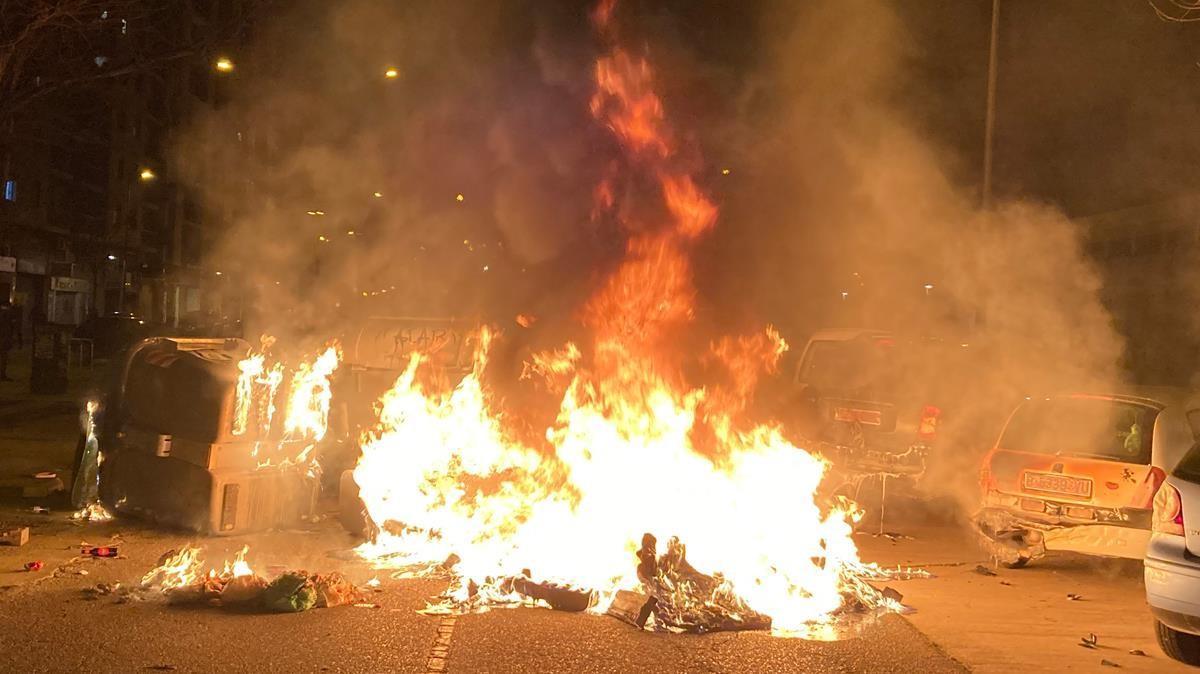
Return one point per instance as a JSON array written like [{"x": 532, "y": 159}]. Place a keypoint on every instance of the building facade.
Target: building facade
[{"x": 93, "y": 218}]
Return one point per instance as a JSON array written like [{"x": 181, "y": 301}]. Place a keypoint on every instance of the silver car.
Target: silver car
[{"x": 1172, "y": 562}]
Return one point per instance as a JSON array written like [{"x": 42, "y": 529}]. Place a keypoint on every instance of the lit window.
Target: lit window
[{"x": 10, "y": 190}]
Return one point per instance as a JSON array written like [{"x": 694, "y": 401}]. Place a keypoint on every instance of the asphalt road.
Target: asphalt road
[
  {"x": 47, "y": 624},
  {"x": 1017, "y": 620}
]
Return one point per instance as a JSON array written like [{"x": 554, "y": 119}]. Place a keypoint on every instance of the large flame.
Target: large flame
[
  {"x": 306, "y": 405},
  {"x": 635, "y": 448}
]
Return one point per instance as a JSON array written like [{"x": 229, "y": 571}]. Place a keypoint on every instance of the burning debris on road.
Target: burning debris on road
[
  {"x": 445, "y": 473},
  {"x": 180, "y": 579}
]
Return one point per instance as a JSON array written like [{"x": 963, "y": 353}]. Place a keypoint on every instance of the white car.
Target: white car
[{"x": 1172, "y": 562}]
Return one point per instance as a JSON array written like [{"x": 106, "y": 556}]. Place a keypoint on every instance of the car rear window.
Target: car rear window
[
  {"x": 1084, "y": 427},
  {"x": 878, "y": 365}
]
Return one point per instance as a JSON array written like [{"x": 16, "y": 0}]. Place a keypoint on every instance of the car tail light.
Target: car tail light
[
  {"x": 1168, "y": 511},
  {"x": 1146, "y": 491},
  {"x": 929, "y": 422}
]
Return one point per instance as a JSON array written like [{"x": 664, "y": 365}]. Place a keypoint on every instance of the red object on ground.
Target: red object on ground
[
  {"x": 33, "y": 566},
  {"x": 99, "y": 552}
]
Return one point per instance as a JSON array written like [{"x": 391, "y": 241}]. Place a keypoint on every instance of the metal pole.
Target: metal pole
[{"x": 990, "y": 117}]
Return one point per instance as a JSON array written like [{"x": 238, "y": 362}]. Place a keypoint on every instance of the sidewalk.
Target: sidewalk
[{"x": 38, "y": 432}]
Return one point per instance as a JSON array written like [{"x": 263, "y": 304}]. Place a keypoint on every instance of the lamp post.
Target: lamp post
[{"x": 989, "y": 121}]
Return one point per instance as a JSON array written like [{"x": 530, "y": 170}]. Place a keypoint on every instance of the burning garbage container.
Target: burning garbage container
[
  {"x": 174, "y": 454},
  {"x": 49, "y": 365}
]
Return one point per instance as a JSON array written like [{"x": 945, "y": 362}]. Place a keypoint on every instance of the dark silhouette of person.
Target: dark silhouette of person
[{"x": 10, "y": 333}]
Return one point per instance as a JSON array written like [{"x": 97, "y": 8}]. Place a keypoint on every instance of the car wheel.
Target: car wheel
[
  {"x": 1178, "y": 645},
  {"x": 1018, "y": 563}
]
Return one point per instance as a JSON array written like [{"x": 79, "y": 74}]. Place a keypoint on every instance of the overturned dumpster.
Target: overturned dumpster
[{"x": 171, "y": 451}]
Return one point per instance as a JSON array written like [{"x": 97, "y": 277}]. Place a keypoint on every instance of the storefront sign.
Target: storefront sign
[{"x": 69, "y": 285}]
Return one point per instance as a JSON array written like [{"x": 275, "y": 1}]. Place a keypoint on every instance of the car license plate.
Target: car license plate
[
  {"x": 1054, "y": 483},
  {"x": 868, "y": 417}
]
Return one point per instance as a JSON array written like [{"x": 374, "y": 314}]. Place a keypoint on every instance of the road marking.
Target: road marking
[{"x": 440, "y": 652}]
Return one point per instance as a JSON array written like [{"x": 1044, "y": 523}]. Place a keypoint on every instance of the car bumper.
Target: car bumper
[
  {"x": 1173, "y": 584},
  {"x": 1106, "y": 540}
]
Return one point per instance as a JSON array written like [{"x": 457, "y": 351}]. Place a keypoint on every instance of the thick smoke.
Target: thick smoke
[
  {"x": 836, "y": 207},
  {"x": 852, "y": 211}
]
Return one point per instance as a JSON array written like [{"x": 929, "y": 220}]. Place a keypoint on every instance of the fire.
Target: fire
[
  {"x": 257, "y": 387},
  {"x": 184, "y": 568},
  {"x": 635, "y": 447},
  {"x": 306, "y": 405}
]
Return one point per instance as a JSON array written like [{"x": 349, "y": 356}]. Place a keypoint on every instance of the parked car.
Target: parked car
[
  {"x": 877, "y": 403},
  {"x": 1079, "y": 472},
  {"x": 1172, "y": 564}
]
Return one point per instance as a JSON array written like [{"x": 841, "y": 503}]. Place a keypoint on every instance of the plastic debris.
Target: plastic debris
[
  {"x": 1109, "y": 663},
  {"x": 984, "y": 571},
  {"x": 334, "y": 590},
  {"x": 1071, "y": 596},
  {"x": 290, "y": 593},
  {"x": 35, "y": 565},
  {"x": 1137, "y": 651},
  {"x": 99, "y": 551},
  {"x": 1089, "y": 641}
]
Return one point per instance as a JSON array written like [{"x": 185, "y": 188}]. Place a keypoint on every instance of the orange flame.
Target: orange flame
[{"x": 444, "y": 473}]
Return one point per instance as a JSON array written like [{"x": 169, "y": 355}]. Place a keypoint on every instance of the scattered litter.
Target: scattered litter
[
  {"x": 1071, "y": 596},
  {"x": 81, "y": 572},
  {"x": 45, "y": 475},
  {"x": 1109, "y": 663},
  {"x": 1090, "y": 641},
  {"x": 373, "y": 583},
  {"x": 100, "y": 590},
  {"x": 893, "y": 536},
  {"x": 984, "y": 571},
  {"x": 34, "y": 565},
  {"x": 1005, "y": 582},
  {"x": 1137, "y": 651},
  {"x": 14, "y": 536},
  {"x": 41, "y": 510},
  {"x": 106, "y": 551},
  {"x": 366, "y": 605}
]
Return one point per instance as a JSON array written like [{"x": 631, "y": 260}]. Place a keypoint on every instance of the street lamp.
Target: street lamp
[
  {"x": 223, "y": 65},
  {"x": 146, "y": 175},
  {"x": 391, "y": 73}
]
